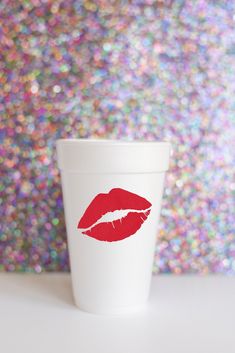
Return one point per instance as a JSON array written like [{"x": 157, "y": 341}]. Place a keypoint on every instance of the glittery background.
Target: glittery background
[{"x": 131, "y": 70}]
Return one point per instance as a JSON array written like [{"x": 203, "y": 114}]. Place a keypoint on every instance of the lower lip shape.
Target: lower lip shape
[{"x": 118, "y": 229}]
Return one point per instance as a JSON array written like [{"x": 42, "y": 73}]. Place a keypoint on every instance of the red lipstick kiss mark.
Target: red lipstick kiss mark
[{"x": 114, "y": 216}]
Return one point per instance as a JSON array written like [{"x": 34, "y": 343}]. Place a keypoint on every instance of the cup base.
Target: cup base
[{"x": 112, "y": 311}]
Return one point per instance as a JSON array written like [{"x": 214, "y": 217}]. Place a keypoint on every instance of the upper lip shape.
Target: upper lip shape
[{"x": 117, "y": 199}]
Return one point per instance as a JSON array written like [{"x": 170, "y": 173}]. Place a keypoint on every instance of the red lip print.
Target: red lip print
[{"x": 114, "y": 216}]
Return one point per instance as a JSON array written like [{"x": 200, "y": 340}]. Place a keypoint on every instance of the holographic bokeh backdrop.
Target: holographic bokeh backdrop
[{"x": 119, "y": 69}]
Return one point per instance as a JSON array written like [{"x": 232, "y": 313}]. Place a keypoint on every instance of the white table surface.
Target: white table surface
[{"x": 185, "y": 314}]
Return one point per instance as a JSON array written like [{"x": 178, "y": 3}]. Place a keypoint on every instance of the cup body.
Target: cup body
[{"x": 112, "y": 204}]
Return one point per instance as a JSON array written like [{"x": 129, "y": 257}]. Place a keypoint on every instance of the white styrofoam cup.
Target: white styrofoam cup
[{"x": 112, "y": 192}]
